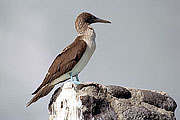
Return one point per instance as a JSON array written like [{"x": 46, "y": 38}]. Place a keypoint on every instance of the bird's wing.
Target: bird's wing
[{"x": 65, "y": 61}]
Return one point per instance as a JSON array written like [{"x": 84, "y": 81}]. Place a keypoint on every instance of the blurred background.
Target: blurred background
[{"x": 140, "y": 49}]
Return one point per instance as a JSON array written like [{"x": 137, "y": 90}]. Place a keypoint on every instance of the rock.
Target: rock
[
  {"x": 92, "y": 101},
  {"x": 159, "y": 100},
  {"x": 142, "y": 113}
]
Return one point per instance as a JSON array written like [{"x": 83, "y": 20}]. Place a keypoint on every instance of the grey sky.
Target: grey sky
[{"x": 140, "y": 49}]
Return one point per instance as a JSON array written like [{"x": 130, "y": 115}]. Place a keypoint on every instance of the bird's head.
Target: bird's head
[{"x": 84, "y": 19}]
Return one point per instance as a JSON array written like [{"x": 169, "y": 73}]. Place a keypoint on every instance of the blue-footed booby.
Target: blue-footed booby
[{"x": 71, "y": 61}]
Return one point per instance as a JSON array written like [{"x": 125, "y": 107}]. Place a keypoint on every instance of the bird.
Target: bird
[{"x": 71, "y": 61}]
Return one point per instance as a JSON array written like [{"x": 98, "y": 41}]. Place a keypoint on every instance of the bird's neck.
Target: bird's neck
[
  {"x": 88, "y": 35},
  {"x": 81, "y": 27}
]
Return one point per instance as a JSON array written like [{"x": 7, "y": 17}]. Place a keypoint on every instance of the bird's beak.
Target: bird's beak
[{"x": 100, "y": 20}]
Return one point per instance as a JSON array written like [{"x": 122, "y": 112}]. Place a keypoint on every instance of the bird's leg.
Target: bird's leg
[
  {"x": 77, "y": 80},
  {"x": 71, "y": 77},
  {"x": 72, "y": 80}
]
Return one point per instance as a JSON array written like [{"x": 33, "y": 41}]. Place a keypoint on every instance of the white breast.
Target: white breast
[{"x": 89, "y": 38}]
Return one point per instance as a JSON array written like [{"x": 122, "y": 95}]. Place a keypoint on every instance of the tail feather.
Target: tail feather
[
  {"x": 41, "y": 93},
  {"x": 37, "y": 89}
]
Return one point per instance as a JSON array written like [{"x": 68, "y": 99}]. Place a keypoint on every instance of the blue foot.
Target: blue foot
[
  {"x": 77, "y": 79},
  {"x": 76, "y": 82}
]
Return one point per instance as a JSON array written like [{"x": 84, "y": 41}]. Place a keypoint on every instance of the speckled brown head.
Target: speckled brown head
[{"x": 84, "y": 19}]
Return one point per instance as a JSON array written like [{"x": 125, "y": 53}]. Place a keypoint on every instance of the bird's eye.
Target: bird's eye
[{"x": 92, "y": 17}]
